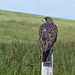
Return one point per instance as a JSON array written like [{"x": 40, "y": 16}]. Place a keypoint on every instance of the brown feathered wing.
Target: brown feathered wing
[{"x": 47, "y": 35}]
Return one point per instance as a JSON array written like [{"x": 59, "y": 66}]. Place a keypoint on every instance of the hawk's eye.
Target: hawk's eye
[{"x": 45, "y": 19}]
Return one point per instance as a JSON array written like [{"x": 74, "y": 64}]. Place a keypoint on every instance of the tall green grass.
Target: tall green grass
[
  {"x": 20, "y": 51},
  {"x": 18, "y": 58}
]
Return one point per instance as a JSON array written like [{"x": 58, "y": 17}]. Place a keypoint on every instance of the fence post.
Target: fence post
[{"x": 47, "y": 68}]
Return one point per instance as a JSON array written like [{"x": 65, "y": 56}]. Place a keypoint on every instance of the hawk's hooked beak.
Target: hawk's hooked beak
[{"x": 44, "y": 20}]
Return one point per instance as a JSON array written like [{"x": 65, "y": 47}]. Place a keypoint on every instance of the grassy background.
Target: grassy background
[{"x": 19, "y": 45}]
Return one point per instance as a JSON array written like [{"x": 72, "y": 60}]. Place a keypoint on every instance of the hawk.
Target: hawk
[{"x": 47, "y": 37}]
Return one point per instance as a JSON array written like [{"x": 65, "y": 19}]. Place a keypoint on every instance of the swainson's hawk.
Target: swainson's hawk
[{"x": 47, "y": 37}]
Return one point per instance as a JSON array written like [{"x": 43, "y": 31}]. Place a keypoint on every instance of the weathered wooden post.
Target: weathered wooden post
[{"x": 47, "y": 68}]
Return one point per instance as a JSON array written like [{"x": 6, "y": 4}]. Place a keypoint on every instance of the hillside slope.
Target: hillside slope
[
  {"x": 25, "y": 26},
  {"x": 20, "y": 51}
]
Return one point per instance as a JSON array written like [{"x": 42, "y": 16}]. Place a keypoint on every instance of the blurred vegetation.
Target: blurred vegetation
[{"x": 19, "y": 45}]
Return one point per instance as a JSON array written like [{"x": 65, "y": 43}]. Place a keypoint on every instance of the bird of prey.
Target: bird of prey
[{"x": 47, "y": 37}]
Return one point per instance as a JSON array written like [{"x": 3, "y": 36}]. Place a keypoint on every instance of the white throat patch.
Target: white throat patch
[{"x": 44, "y": 21}]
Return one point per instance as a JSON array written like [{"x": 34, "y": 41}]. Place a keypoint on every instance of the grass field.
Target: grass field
[{"x": 19, "y": 45}]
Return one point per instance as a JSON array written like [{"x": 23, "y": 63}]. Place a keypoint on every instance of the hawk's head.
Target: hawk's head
[{"x": 47, "y": 20}]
